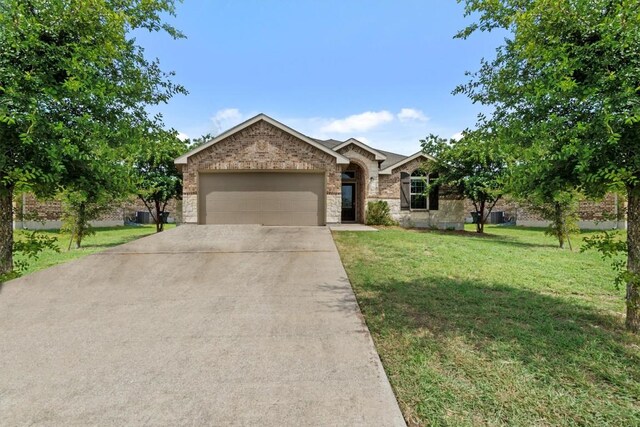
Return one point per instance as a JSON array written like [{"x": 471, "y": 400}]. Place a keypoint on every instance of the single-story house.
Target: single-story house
[{"x": 264, "y": 172}]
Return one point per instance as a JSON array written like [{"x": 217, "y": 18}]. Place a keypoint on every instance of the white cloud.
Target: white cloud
[
  {"x": 227, "y": 118},
  {"x": 457, "y": 136},
  {"x": 182, "y": 136},
  {"x": 409, "y": 114},
  {"x": 359, "y": 122},
  {"x": 227, "y": 114}
]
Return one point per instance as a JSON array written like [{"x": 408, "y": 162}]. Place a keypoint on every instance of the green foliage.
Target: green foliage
[
  {"x": 78, "y": 209},
  {"x": 74, "y": 85},
  {"x": 101, "y": 181},
  {"x": 28, "y": 250},
  {"x": 614, "y": 248},
  {"x": 197, "y": 142},
  {"x": 70, "y": 75},
  {"x": 155, "y": 176},
  {"x": 474, "y": 167},
  {"x": 564, "y": 85},
  {"x": 564, "y": 88},
  {"x": 561, "y": 209},
  {"x": 379, "y": 213}
]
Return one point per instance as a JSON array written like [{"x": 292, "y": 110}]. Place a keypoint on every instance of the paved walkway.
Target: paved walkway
[
  {"x": 351, "y": 227},
  {"x": 200, "y": 325}
]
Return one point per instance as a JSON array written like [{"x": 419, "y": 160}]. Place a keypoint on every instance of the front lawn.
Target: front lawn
[
  {"x": 504, "y": 329},
  {"x": 104, "y": 238}
]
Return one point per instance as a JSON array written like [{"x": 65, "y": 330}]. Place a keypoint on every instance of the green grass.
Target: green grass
[
  {"x": 504, "y": 329},
  {"x": 103, "y": 238}
]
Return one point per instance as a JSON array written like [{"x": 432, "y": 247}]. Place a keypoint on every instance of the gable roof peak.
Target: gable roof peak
[
  {"x": 340, "y": 159},
  {"x": 389, "y": 169},
  {"x": 378, "y": 155}
]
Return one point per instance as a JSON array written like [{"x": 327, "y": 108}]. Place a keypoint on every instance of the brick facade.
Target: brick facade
[
  {"x": 390, "y": 184},
  {"x": 260, "y": 146},
  {"x": 263, "y": 144}
]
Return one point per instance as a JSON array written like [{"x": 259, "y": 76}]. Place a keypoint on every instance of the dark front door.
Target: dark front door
[{"x": 348, "y": 202}]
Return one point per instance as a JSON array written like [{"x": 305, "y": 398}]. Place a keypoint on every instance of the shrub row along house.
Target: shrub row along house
[{"x": 263, "y": 172}]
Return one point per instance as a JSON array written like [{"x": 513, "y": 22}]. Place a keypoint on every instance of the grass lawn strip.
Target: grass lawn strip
[
  {"x": 104, "y": 238},
  {"x": 503, "y": 329}
]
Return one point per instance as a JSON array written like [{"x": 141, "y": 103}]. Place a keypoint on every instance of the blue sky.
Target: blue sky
[{"x": 380, "y": 71}]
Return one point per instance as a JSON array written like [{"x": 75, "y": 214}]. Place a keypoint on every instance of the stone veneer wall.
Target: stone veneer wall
[
  {"x": 450, "y": 213},
  {"x": 261, "y": 146}
]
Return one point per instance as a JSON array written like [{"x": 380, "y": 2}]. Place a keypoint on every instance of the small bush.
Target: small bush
[{"x": 378, "y": 213}]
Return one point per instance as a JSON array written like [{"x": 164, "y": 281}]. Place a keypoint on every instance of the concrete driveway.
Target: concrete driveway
[{"x": 200, "y": 325}]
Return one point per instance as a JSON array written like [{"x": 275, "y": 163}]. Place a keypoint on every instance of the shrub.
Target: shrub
[{"x": 378, "y": 213}]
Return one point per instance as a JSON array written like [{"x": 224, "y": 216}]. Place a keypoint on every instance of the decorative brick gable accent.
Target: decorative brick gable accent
[
  {"x": 368, "y": 163},
  {"x": 390, "y": 184},
  {"x": 261, "y": 146},
  {"x": 349, "y": 150}
]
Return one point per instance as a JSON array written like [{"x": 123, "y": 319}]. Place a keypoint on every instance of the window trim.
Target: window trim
[
  {"x": 426, "y": 178},
  {"x": 421, "y": 178}
]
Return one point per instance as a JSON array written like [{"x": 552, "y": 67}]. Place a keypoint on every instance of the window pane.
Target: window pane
[
  {"x": 348, "y": 175},
  {"x": 418, "y": 201},
  {"x": 418, "y": 186},
  {"x": 347, "y": 196}
]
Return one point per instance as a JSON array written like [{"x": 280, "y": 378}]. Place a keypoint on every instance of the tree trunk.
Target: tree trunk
[
  {"x": 481, "y": 218},
  {"x": 633, "y": 260},
  {"x": 159, "y": 217},
  {"x": 560, "y": 226},
  {"x": 6, "y": 230},
  {"x": 80, "y": 224}
]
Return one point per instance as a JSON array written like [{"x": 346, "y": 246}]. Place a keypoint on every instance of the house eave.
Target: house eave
[
  {"x": 377, "y": 155},
  {"x": 340, "y": 159},
  {"x": 389, "y": 169}
]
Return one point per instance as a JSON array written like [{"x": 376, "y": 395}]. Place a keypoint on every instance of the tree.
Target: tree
[
  {"x": 196, "y": 142},
  {"x": 474, "y": 166},
  {"x": 156, "y": 178},
  {"x": 78, "y": 209},
  {"x": 100, "y": 181},
  {"x": 560, "y": 208},
  {"x": 566, "y": 83},
  {"x": 71, "y": 75},
  {"x": 547, "y": 187}
]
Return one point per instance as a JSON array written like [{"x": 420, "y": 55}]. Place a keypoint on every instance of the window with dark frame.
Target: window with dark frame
[{"x": 348, "y": 175}]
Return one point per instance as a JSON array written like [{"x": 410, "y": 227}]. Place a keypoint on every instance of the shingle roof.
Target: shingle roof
[
  {"x": 392, "y": 158},
  {"x": 329, "y": 143}
]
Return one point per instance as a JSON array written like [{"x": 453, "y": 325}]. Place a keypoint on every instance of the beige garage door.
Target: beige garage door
[{"x": 268, "y": 198}]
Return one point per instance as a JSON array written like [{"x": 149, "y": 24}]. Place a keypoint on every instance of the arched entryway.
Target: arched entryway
[{"x": 354, "y": 188}]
